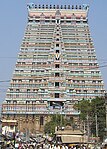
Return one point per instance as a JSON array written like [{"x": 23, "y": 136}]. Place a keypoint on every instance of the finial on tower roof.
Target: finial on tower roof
[
  {"x": 85, "y": 6},
  {"x": 43, "y": 6},
  {"x": 30, "y": 5},
  {"x": 50, "y": 6},
  {"x": 68, "y": 6}
]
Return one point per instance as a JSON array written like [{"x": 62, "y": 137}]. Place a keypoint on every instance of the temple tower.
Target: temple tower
[{"x": 56, "y": 67}]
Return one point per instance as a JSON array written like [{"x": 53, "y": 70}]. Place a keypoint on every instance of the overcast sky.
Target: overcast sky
[{"x": 13, "y": 20}]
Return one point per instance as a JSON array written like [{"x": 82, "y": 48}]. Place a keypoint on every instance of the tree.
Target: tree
[
  {"x": 56, "y": 120},
  {"x": 84, "y": 106},
  {"x": 95, "y": 110},
  {"x": 99, "y": 110}
]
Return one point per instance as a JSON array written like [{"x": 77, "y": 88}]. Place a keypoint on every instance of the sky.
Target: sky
[{"x": 13, "y": 20}]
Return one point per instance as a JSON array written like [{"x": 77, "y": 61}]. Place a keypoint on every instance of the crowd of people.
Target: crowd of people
[
  {"x": 39, "y": 142},
  {"x": 48, "y": 146},
  {"x": 34, "y": 145}
]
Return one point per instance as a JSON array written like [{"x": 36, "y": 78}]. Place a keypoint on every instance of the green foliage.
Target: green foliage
[
  {"x": 91, "y": 108},
  {"x": 98, "y": 108},
  {"x": 84, "y": 106},
  {"x": 50, "y": 127},
  {"x": 56, "y": 120}
]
